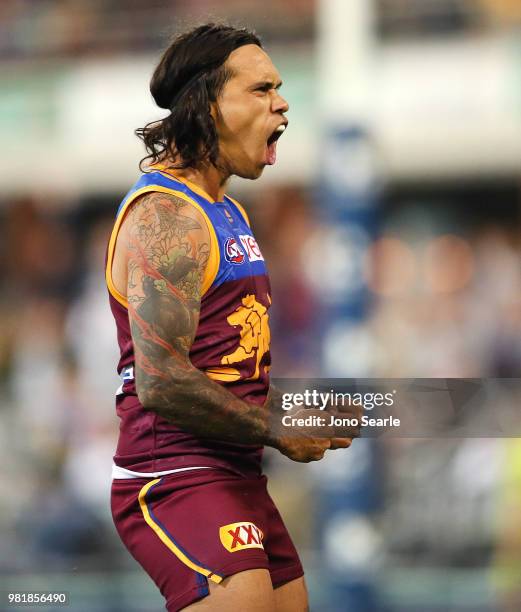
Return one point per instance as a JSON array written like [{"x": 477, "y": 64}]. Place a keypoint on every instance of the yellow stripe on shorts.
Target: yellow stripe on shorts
[{"x": 167, "y": 539}]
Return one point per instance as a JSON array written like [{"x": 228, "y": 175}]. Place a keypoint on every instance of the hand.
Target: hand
[
  {"x": 305, "y": 449},
  {"x": 310, "y": 443},
  {"x": 309, "y": 440}
]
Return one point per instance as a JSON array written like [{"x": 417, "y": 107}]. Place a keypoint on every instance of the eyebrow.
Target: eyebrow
[{"x": 269, "y": 84}]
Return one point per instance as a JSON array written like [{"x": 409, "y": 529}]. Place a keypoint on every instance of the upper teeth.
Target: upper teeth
[{"x": 281, "y": 128}]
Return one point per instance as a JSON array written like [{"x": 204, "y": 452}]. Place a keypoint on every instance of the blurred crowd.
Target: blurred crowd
[
  {"x": 448, "y": 303},
  {"x": 398, "y": 18},
  {"x": 77, "y": 28}
]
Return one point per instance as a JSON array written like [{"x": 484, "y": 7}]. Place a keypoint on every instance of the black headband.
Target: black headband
[{"x": 186, "y": 87}]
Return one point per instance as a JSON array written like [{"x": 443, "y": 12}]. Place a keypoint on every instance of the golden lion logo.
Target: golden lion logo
[{"x": 252, "y": 317}]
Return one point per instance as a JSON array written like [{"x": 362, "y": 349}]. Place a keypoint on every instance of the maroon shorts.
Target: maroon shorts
[{"x": 191, "y": 527}]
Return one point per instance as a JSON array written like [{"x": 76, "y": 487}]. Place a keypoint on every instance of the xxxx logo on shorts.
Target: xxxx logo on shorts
[{"x": 238, "y": 536}]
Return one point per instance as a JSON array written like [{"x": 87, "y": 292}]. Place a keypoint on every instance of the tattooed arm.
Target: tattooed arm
[{"x": 168, "y": 246}]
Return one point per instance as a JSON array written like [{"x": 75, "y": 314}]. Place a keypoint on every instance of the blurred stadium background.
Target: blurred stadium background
[{"x": 391, "y": 225}]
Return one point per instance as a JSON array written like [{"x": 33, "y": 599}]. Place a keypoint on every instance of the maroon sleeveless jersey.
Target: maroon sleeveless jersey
[{"x": 231, "y": 344}]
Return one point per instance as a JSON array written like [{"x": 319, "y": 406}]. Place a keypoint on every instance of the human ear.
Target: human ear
[{"x": 214, "y": 110}]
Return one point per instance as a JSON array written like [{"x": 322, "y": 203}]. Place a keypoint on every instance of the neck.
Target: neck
[{"x": 208, "y": 178}]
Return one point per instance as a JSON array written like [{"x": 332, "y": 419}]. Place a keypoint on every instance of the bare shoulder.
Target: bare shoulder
[
  {"x": 162, "y": 232},
  {"x": 163, "y": 213},
  {"x": 168, "y": 242}
]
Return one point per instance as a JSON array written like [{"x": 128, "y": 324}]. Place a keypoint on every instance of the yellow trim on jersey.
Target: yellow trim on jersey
[
  {"x": 167, "y": 541},
  {"x": 170, "y": 173},
  {"x": 212, "y": 266},
  {"x": 241, "y": 208},
  {"x": 223, "y": 374}
]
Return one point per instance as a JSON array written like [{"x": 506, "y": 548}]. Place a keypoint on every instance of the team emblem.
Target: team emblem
[
  {"x": 233, "y": 252},
  {"x": 239, "y": 536}
]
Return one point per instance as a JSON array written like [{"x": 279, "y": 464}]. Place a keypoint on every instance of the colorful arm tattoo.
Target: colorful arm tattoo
[{"x": 168, "y": 246}]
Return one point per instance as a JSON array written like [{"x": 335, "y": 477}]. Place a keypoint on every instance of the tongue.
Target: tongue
[{"x": 272, "y": 153}]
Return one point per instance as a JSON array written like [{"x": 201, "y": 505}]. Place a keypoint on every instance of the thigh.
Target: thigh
[
  {"x": 250, "y": 590},
  {"x": 292, "y": 597}
]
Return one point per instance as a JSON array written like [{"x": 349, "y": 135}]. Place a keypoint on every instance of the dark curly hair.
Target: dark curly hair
[{"x": 190, "y": 76}]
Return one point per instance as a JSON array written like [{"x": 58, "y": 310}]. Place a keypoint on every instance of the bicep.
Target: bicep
[{"x": 168, "y": 247}]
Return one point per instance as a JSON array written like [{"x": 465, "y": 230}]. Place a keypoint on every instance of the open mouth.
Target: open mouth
[{"x": 272, "y": 143}]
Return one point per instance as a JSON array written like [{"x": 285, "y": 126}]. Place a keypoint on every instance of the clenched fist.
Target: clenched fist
[{"x": 305, "y": 449}]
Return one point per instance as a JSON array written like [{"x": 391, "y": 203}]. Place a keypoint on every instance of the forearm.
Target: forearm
[{"x": 189, "y": 399}]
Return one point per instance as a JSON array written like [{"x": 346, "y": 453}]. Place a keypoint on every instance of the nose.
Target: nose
[{"x": 279, "y": 104}]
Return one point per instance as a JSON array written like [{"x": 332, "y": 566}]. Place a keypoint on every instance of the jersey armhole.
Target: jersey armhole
[{"x": 212, "y": 266}]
